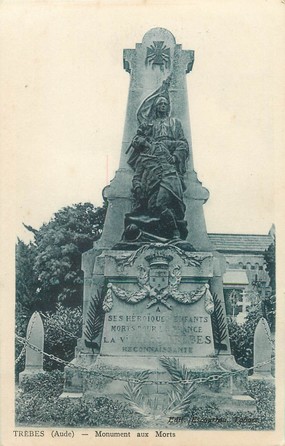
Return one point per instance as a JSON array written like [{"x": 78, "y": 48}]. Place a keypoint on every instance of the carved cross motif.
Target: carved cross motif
[{"x": 158, "y": 54}]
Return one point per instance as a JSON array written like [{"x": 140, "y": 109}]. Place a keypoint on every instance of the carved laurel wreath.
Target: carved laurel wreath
[{"x": 159, "y": 296}]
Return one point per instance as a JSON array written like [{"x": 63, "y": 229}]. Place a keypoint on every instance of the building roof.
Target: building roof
[{"x": 241, "y": 243}]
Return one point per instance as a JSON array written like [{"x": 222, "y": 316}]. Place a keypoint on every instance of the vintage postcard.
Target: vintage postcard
[{"x": 142, "y": 189}]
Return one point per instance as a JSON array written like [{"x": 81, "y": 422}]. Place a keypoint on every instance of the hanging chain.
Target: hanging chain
[{"x": 211, "y": 378}]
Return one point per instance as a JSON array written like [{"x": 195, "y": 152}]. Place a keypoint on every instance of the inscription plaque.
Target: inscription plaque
[{"x": 136, "y": 330}]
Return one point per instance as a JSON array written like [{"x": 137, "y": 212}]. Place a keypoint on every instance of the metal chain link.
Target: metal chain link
[
  {"x": 28, "y": 338},
  {"x": 185, "y": 381},
  {"x": 76, "y": 337},
  {"x": 197, "y": 380}
]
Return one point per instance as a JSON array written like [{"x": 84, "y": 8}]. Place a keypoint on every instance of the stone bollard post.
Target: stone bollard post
[
  {"x": 35, "y": 335},
  {"x": 262, "y": 351}
]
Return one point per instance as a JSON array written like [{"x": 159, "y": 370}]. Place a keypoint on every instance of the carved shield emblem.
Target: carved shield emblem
[{"x": 158, "y": 278}]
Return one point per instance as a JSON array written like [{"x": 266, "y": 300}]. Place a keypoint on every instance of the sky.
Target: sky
[{"x": 64, "y": 97}]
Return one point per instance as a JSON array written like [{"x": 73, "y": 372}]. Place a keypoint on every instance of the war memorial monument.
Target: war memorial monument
[{"x": 154, "y": 322}]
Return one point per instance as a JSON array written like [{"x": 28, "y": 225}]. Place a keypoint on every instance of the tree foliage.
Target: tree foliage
[
  {"x": 26, "y": 279},
  {"x": 270, "y": 299},
  {"x": 269, "y": 257},
  {"x": 55, "y": 255},
  {"x": 62, "y": 329},
  {"x": 48, "y": 272},
  {"x": 242, "y": 336}
]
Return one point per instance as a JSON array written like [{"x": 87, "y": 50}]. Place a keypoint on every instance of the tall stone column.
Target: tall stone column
[{"x": 149, "y": 64}]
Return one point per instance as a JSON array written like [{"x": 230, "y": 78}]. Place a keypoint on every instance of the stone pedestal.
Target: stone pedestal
[{"x": 158, "y": 303}]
